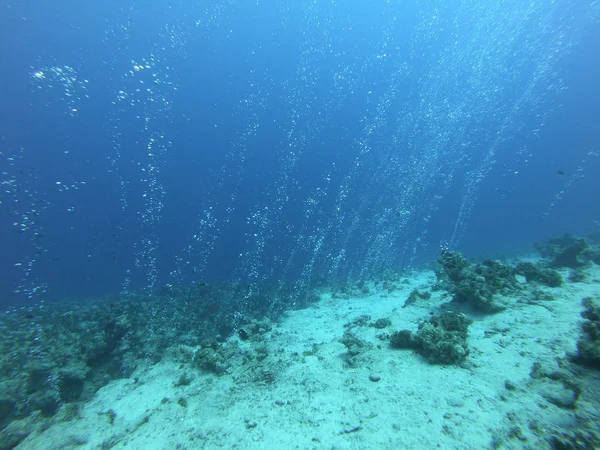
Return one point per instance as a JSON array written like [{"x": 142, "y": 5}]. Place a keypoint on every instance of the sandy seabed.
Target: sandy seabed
[{"x": 308, "y": 394}]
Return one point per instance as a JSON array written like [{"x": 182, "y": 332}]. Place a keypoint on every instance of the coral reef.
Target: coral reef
[
  {"x": 356, "y": 346},
  {"x": 416, "y": 295},
  {"x": 568, "y": 251},
  {"x": 402, "y": 339},
  {"x": 381, "y": 323},
  {"x": 484, "y": 286},
  {"x": 588, "y": 346},
  {"x": 536, "y": 274},
  {"x": 441, "y": 339},
  {"x": 54, "y": 357}
]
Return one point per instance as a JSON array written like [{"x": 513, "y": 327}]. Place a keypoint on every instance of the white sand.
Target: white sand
[{"x": 317, "y": 402}]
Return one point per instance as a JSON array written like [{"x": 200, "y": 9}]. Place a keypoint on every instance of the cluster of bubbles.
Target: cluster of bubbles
[
  {"x": 221, "y": 196},
  {"x": 438, "y": 103},
  {"x": 26, "y": 191},
  {"x": 141, "y": 115},
  {"x": 496, "y": 64},
  {"x": 28, "y": 200},
  {"x": 26, "y": 203},
  {"x": 65, "y": 79},
  {"x": 142, "y": 110}
]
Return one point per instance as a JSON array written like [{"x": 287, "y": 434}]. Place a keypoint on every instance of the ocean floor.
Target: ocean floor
[{"x": 294, "y": 384}]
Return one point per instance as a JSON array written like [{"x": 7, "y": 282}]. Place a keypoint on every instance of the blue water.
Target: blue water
[{"x": 149, "y": 143}]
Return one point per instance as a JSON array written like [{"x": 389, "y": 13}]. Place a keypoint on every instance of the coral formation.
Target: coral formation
[
  {"x": 484, "y": 286},
  {"x": 356, "y": 346},
  {"x": 416, "y": 295},
  {"x": 568, "y": 251},
  {"x": 402, "y": 339},
  {"x": 53, "y": 358},
  {"x": 381, "y": 323},
  {"x": 441, "y": 339},
  {"x": 533, "y": 273},
  {"x": 588, "y": 346}
]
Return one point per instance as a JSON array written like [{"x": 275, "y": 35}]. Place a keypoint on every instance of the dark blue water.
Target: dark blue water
[{"x": 287, "y": 141}]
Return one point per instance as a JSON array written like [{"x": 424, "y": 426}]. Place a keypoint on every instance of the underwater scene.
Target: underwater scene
[{"x": 300, "y": 224}]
